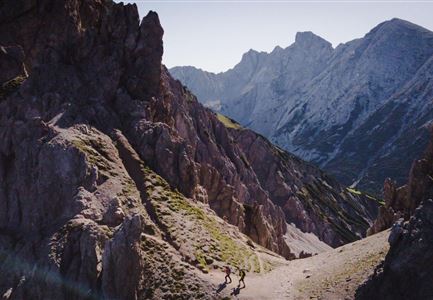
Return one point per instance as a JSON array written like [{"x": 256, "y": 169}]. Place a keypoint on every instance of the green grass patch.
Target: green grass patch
[
  {"x": 368, "y": 196},
  {"x": 230, "y": 251},
  {"x": 229, "y": 123},
  {"x": 129, "y": 188},
  {"x": 353, "y": 191},
  {"x": 256, "y": 263},
  {"x": 380, "y": 201},
  {"x": 201, "y": 258},
  {"x": 11, "y": 86},
  {"x": 94, "y": 157},
  {"x": 222, "y": 245}
]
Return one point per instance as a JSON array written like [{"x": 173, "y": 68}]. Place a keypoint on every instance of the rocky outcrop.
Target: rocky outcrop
[
  {"x": 401, "y": 202},
  {"x": 406, "y": 271},
  {"x": 310, "y": 199},
  {"x": 113, "y": 178},
  {"x": 12, "y": 63},
  {"x": 304, "y": 99}
]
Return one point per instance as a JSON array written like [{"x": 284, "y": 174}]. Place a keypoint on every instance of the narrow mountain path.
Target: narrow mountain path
[{"x": 334, "y": 274}]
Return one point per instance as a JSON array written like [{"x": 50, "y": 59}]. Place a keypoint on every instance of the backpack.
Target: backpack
[{"x": 242, "y": 273}]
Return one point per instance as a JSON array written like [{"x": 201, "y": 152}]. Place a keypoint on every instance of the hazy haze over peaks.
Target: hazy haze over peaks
[{"x": 214, "y": 35}]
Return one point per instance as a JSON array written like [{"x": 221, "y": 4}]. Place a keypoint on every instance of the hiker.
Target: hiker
[
  {"x": 242, "y": 276},
  {"x": 228, "y": 272}
]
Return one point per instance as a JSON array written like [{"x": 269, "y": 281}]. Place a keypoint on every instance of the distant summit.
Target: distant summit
[
  {"x": 399, "y": 24},
  {"x": 308, "y": 39},
  {"x": 351, "y": 110}
]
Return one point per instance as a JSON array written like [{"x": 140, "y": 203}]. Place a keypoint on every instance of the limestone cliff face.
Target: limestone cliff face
[
  {"x": 260, "y": 82},
  {"x": 113, "y": 177},
  {"x": 357, "y": 111}
]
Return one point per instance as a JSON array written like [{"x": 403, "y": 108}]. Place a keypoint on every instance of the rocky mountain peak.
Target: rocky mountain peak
[
  {"x": 307, "y": 39},
  {"x": 151, "y": 35},
  {"x": 401, "y": 24},
  {"x": 397, "y": 30},
  {"x": 277, "y": 49},
  {"x": 251, "y": 56},
  {"x": 320, "y": 103},
  {"x": 250, "y": 62}
]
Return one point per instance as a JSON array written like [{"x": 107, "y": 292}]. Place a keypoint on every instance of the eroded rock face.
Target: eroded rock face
[
  {"x": 406, "y": 272},
  {"x": 401, "y": 202},
  {"x": 307, "y": 194}
]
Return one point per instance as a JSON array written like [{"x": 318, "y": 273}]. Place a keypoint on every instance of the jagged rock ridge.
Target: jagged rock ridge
[
  {"x": 406, "y": 270},
  {"x": 112, "y": 175},
  {"x": 401, "y": 202},
  {"x": 355, "y": 110}
]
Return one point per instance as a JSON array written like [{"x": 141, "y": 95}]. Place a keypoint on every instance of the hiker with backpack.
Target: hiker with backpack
[
  {"x": 242, "y": 277},
  {"x": 228, "y": 272}
]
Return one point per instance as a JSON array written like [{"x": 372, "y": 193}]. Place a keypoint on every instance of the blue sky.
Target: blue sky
[{"x": 214, "y": 34}]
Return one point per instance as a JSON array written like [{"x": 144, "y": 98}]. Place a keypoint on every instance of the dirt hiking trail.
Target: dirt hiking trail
[{"x": 332, "y": 275}]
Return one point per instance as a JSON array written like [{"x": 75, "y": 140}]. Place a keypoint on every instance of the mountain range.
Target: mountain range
[
  {"x": 116, "y": 183},
  {"x": 357, "y": 110}
]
